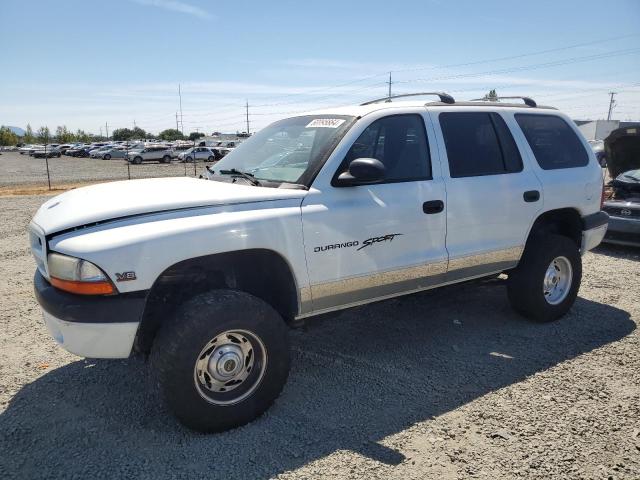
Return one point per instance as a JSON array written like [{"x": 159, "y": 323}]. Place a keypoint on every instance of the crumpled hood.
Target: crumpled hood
[{"x": 108, "y": 201}]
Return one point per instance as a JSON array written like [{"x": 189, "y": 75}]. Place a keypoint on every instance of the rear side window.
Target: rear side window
[
  {"x": 553, "y": 142},
  {"x": 479, "y": 143}
]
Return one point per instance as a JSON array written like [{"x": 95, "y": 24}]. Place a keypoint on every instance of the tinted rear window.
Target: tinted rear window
[
  {"x": 478, "y": 143},
  {"x": 554, "y": 143}
]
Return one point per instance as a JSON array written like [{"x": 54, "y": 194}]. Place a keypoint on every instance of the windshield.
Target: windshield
[{"x": 290, "y": 150}]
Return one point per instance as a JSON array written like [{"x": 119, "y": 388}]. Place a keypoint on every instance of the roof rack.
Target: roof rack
[
  {"x": 444, "y": 97},
  {"x": 528, "y": 101}
]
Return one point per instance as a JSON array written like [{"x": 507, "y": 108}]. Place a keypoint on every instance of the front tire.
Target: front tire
[
  {"x": 222, "y": 360},
  {"x": 188, "y": 159},
  {"x": 545, "y": 284},
  {"x": 107, "y": 157},
  {"x": 137, "y": 160}
]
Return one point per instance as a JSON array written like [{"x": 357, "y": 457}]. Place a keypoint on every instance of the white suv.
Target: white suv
[
  {"x": 158, "y": 153},
  {"x": 315, "y": 213}
]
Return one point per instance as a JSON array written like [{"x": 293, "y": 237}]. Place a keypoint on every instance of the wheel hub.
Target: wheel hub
[
  {"x": 226, "y": 363},
  {"x": 557, "y": 280}
]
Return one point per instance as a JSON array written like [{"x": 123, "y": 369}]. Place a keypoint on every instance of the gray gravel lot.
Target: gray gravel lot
[
  {"x": 23, "y": 170},
  {"x": 444, "y": 384}
]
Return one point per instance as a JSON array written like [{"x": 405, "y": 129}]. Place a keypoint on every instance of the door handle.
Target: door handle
[
  {"x": 433, "y": 206},
  {"x": 531, "y": 196}
]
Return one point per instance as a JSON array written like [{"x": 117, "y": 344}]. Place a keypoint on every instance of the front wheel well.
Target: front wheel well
[
  {"x": 563, "y": 221},
  {"x": 259, "y": 272}
]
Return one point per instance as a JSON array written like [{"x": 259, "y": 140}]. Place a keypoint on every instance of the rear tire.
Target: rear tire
[
  {"x": 210, "y": 159},
  {"x": 211, "y": 335},
  {"x": 107, "y": 157},
  {"x": 166, "y": 159},
  {"x": 544, "y": 286}
]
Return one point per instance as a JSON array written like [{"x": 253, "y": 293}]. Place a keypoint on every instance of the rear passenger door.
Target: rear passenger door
[{"x": 492, "y": 196}]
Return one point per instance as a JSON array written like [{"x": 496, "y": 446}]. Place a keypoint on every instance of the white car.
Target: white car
[
  {"x": 199, "y": 153},
  {"x": 315, "y": 213}
]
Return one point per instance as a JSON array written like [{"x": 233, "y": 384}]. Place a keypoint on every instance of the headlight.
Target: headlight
[{"x": 77, "y": 276}]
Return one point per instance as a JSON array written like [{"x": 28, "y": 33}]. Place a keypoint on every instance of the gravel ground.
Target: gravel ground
[
  {"x": 23, "y": 170},
  {"x": 443, "y": 384}
]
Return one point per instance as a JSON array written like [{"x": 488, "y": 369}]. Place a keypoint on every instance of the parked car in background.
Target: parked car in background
[
  {"x": 176, "y": 150},
  {"x": 113, "y": 152},
  {"x": 160, "y": 153},
  {"x": 199, "y": 153},
  {"x": 71, "y": 152},
  {"x": 51, "y": 146},
  {"x": 26, "y": 149},
  {"x": 623, "y": 196},
  {"x": 65, "y": 147},
  {"x": 224, "y": 148},
  {"x": 48, "y": 152}
]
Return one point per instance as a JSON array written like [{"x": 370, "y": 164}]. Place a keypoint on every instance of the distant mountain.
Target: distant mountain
[{"x": 17, "y": 130}]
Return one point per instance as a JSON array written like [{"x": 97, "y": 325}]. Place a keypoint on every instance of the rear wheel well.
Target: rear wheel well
[
  {"x": 564, "y": 221},
  {"x": 243, "y": 270}
]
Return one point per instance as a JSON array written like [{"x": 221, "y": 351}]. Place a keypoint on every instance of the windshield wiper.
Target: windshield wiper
[{"x": 246, "y": 175}]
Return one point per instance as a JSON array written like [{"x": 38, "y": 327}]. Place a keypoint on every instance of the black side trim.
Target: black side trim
[
  {"x": 595, "y": 220},
  {"x": 121, "y": 308}
]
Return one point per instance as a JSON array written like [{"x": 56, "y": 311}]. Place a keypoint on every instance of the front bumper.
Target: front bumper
[
  {"x": 101, "y": 326},
  {"x": 623, "y": 231}
]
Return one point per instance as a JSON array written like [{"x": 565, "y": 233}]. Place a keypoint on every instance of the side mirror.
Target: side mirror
[{"x": 362, "y": 171}]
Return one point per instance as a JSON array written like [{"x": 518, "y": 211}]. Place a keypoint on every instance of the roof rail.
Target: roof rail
[
  {"x": 528, "y": 101},
  {"x": 444, "y": 97}
]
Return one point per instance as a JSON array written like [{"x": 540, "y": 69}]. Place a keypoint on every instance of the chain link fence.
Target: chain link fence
[{"x": 22, "y": 171}]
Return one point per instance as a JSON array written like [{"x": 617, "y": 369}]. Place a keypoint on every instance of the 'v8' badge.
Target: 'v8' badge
[{"x": 125, "y": 276}]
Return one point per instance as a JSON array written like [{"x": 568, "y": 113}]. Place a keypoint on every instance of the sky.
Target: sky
[{"x": 97, "y": 64}]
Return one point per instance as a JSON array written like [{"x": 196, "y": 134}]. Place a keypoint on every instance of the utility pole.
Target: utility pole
[
  {"x": 181, "y": 119},
  {"x": 389, "y": 82},
  {"x": 134, "y": 124},
  {"x": 106, "y": 129},
  {"x": 612, "y": 103},
  {"x": 100, "y": 132},
  {"x": 177, "y": 122},
  {"x": 247, "y": 107}
]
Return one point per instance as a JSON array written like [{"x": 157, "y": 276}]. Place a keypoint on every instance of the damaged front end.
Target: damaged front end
[{"x": 622, "y": 194}]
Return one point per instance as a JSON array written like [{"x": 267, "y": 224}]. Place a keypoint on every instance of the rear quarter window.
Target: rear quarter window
[{"x": 553, "y": 142}]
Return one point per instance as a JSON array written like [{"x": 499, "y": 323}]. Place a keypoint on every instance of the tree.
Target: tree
[
  {"x": 43, "y": 135},
  {"x": 492, "y": 96},
  {"x": 28, "y": 136},
  {"x": 7, "y": 137},
  {"x": 139, "y": 133},
  {"x": 63, "y": 135},
  {"x": 193, "y": 136},
  {"x": 170, "y": 134},
  {"x": 121, "y": 134}
]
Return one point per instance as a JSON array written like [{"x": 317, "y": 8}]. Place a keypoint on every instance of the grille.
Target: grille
[{"x": 623, "y": 212}]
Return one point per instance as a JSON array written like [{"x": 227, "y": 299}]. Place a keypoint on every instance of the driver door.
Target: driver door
[{"x": 365, "y": 242}]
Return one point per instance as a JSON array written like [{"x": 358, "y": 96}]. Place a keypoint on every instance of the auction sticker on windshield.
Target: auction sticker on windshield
[{"x": 325, "y": 123}]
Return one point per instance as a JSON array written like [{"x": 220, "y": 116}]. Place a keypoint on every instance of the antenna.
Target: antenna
[{"x": 389, "y": 82}]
